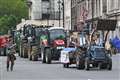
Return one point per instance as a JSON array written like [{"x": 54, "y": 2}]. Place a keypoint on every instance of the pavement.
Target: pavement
[{"x": 31, "y": 70}]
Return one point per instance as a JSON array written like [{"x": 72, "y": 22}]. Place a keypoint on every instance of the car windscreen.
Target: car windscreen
[{"x": 57, "y": 34}]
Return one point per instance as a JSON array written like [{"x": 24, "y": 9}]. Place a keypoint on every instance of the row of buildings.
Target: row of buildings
[
  {"x": 78, "y": 12},
  {"x": 47, "y": 12},
  {"x": 71, "y": 14}
]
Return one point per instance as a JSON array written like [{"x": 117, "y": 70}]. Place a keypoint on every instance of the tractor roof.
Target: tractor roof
[{"x": 51, "y": 28}]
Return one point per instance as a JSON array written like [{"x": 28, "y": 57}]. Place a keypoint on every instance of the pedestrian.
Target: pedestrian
[
  {"x": 11, "y": 55},
  {"x": 72, "y": 43}
]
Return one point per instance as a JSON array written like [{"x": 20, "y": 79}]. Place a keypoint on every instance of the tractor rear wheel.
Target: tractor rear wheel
[{"x": 48, "y": 55}]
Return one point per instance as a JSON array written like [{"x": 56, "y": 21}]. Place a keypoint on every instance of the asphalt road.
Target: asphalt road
[{"x": 29, "y": 70}]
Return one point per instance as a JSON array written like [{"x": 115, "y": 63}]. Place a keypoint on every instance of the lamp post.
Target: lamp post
[
  {"x": 29, "y": 4},
  {"x": 59, "y": 2},
  {"x": 63, "y": 12},
  {"x": 48, "y": 15},
  {"x": 92, "y": 4},
  {"x": 61, "y": 8}
]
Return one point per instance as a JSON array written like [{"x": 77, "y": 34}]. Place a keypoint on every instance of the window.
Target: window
[
  {"x": 112, "y": 4},
  {"x": 57, "y": 34},
  {"x": 104, "y": 6},
  {"x": 45, "y": 0},
  {"x": 45, "y": 16}
]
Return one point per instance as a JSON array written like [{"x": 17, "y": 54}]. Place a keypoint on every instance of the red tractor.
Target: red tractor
[
  {"x": 3, "y": 44},
  {"x": 52, "y": 41}
]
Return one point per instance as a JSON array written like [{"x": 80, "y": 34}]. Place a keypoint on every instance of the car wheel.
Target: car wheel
[
  {"x": 66, "y": 65},
  {"x": 48, "y": 55}
]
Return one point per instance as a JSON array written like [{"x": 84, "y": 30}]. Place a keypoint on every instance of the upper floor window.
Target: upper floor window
[
  {"x": 45, "y": 16},
  {"x": 45, "y": 0},
  {"x": 112, "y": 5},
  {"x": 104, "y": 6}
]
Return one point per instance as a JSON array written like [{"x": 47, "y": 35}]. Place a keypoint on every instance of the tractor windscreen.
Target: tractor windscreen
[
  {"x": 99, "y": 52},
  {"x": 57, "y": 34}
]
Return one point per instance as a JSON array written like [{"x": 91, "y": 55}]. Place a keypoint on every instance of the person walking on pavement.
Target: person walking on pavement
[{"x": 10, "y": 56}]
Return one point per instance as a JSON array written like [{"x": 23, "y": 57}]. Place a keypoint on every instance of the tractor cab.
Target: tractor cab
[{"x": 53, "y": 41}]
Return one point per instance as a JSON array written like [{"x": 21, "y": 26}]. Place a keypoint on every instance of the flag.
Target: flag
[{"x": 83, "y": 14}]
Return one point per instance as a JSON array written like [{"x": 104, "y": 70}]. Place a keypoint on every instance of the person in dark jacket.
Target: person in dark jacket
[
  {"x": 10, "y": 59},
  {"x": 72, "y": 43},
  {"x": 11, "y": 55}
]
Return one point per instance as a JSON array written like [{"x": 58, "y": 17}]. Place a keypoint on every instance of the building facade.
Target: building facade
[
  {"x": 67, "y": 14},
  {"x": 73, "y": 14},
  {"x": 113, "y": 12},
  {"x": 48, "y": 12},
  {"x": 86, "y": 10}
]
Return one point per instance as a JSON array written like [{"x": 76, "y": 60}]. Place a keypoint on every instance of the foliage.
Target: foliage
[
  {"x": 7, "y": 22},
  {"x": 11, "y": 13}
]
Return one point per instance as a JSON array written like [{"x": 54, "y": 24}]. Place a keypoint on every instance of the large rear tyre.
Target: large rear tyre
[
  {"x": 25, "y": 52},
  {"x": 30, "y": 57},
  {"x": 43, "y": 57},
  {"x": 48, "y": 55},
  {"x": 78, "y": 64},
  {"x": 21, "y": 55},
  {"x": 87, "y": 64},
  {"x": 34, "y": 58}
]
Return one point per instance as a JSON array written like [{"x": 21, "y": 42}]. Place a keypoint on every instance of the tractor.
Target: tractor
[
  {"x": 81, "y": 56},
  {"x": 52, "y": 41}
]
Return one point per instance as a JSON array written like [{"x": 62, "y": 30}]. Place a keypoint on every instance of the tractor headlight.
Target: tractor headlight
[{"x": 60, "y": 47}]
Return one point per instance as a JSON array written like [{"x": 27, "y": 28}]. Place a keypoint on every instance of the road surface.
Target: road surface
[{"x": 30, "y": 70}]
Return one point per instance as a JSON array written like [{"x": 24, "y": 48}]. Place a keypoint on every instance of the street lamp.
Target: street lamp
[
  {"x": 48, "y": 15},
  {"x": 59, "y": 2},
  {"x": 29, "y": 4},
  {"x": 92, "y": 3},
  {"x": 61, "y": 8},
  {"x": 63, "y": 12}
]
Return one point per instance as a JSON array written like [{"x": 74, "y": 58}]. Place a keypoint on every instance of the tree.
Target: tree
[
  {"x": 7, "y": 22},
  {"x": 11, "y": 13}
]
